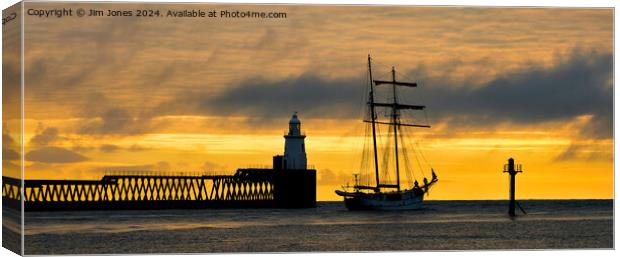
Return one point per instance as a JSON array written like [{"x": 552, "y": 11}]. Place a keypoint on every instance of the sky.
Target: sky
[{"x": 213, "y": 95}]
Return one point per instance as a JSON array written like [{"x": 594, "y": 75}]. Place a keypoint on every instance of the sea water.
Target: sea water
[{"x": 441, "y": 225}]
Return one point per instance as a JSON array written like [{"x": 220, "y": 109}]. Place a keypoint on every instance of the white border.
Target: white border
[{"x": 537, "y": 3}]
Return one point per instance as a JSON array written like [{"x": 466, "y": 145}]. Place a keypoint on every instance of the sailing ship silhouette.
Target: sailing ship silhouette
[{"x": 381, "y": 195}]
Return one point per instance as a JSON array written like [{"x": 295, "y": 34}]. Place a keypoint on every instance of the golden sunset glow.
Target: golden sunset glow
[{"x": 211, "y": 96}]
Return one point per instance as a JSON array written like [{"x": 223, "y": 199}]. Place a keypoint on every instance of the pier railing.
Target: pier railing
[{"x": 166, "y": 173}]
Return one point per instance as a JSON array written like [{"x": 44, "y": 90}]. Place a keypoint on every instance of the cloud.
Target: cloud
[
  {"x": 577, "y": 84},
  {"x": 115, "y": 121},
  {"x": 120, "y": 168},
  {"x": 329, "y": 177},
  {"x": 162, "y": 165},
  {"x": 54, "y": 155},
  {"x": 7, "y": 140},
  {"x": 82, "y": 148},
  {"x": 585, "y": 152},
  {"x": 45, "y": 136},
  {"x": 308, "y": 94},
  {"x": 9, "y": 154},
  {"x": 110, "y": 117},
  {"x": 137, "y": 148},
  {"x": 212, "y": 167},
  {"x": 157, "y": 167},
  {"x": 9, "y": 147},
  {"x": 12, "y": 169},
  {"x": 108, "y": 148}
]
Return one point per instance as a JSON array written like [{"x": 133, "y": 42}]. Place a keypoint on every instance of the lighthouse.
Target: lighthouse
[{"x": 294, "y": 147}]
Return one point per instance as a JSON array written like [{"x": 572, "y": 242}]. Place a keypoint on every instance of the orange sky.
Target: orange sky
[{"x": 106, "y": 94}]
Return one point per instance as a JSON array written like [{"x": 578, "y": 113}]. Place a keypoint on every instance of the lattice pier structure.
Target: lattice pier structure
[{"x": 247, "y": 188}]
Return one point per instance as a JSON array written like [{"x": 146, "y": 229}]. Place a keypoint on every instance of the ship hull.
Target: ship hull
[{"x": 403, "y": 200}]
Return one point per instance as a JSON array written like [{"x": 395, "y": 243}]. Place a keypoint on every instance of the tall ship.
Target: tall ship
[{"x": 378, "y": 186}]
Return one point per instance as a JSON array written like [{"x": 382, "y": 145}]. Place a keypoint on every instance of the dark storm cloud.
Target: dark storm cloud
[
  {"x": 580, "y": 84},
  {"x": 54, "y": 155},
  {"x": 313, "y": 96},
  {"x": 264, "y": 100}
]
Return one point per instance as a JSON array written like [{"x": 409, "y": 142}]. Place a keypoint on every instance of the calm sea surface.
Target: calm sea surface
[{"x": 442, "y": 225}]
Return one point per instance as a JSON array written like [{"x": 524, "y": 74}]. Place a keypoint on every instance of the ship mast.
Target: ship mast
[
  {"x": 395, "y": 120},
  {"x": 372, "y": 118}
]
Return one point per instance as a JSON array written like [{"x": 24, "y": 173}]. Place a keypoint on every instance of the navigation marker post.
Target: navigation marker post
[{"x": 512, "y": 170}]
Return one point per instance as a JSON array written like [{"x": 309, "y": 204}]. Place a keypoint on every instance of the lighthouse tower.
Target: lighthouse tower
[{"x": 294, "y": 147}]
